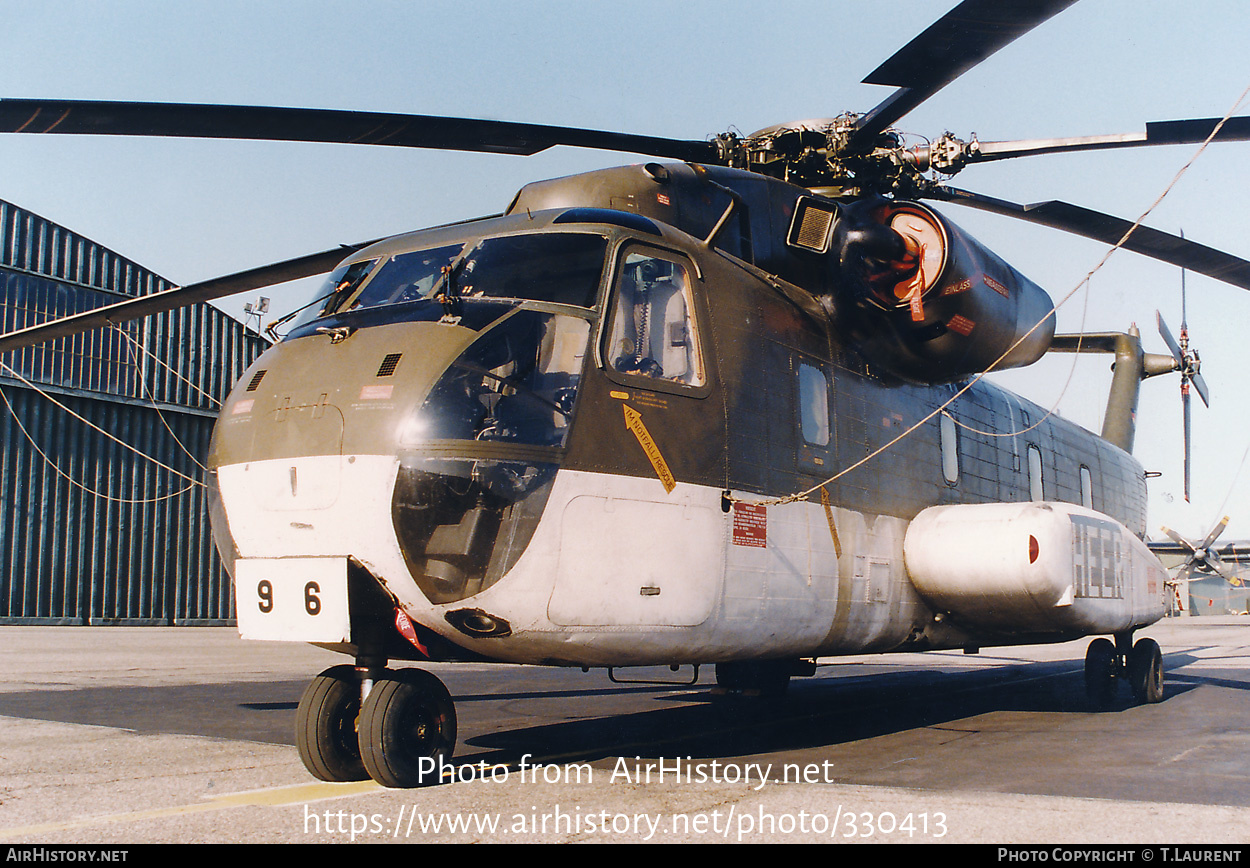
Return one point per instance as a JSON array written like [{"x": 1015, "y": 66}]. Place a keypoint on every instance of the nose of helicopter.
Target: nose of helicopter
[
  {"x": 410, "y": 447},
  {"x": 307, "y": 444},
  {"x": 326, "y": 395}
]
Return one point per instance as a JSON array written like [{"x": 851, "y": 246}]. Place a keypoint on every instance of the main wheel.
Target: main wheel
[
  {"x": 763, "y": 677},
  {"x": 325, "y": 727},
  {"x": 407, "y": 729},
  {"x": 1145, "y": 671},
  {"x": 1100, "y": 672}
]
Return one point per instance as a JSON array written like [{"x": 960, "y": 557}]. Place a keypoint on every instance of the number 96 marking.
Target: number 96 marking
[
  {"x": 293, "y": 599},
  {"x": 312, "y": 603}
]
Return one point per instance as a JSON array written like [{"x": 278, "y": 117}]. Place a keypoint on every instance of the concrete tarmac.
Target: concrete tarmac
[{"x": 133, "y": 735}]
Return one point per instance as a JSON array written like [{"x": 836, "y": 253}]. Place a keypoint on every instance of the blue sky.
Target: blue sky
[{"x": 192, "y": 210}]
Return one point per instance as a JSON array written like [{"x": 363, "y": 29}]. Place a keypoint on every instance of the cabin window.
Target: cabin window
[
  {"x": 814, "y": 405},
  {"x": 1035, "y": 473},
  {"x": 950, "y": 449},
  {"x": 651, "y": 332},
  {"x": 1087, "y": 488}
]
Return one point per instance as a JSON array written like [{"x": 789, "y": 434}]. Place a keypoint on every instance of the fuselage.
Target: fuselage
[{"x": 560, "y": 436}]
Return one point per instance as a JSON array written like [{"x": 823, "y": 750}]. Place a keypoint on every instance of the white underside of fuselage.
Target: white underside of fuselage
[{"x": 618, "y": 572}]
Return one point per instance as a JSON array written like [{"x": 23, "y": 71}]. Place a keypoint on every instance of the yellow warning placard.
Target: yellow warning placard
[{"x": 633, "y": 421}]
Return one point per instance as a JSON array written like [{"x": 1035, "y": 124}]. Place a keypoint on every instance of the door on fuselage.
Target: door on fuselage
[{"x": 640, "y": 538}]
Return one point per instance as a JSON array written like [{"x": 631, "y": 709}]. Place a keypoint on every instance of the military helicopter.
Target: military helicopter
[{"x": 724, "y": 410}]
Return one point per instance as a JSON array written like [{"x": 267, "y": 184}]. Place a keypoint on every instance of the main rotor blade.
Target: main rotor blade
[
  {"x": 951, "y": 46},
  {"x": 77, "y": 117},
  {"x": 1109, "y": 230},
  {"x": 1157, "y": 133},
  {"x": 159, "y": 302}
]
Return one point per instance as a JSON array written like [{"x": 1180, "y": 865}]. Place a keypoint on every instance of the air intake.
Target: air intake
[
  {"x": 812, "y": 227},
  {"x": 389, "y": 364},
  {"x": 256, "y": 378}
]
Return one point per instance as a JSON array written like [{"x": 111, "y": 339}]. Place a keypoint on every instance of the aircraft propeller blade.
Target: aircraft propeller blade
[
  {"x": 1109, "y": 230},
  {"x": 79, "y": 117},
  {"x": 1200, "y": 386},
  {"x": 1166, "y": 334},
  {"x": 159, "y": 302},
  {"x": 951, "y": 46},
  {"x": 1177, "y": 538},
  {"x": 1215, "y": 532}
]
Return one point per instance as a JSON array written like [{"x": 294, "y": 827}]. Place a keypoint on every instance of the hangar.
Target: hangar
[{"x": 103, "y": 504}]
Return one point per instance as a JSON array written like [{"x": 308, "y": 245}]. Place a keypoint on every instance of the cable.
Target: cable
[
  {"x": 78, "y": 484},
  {"x": 146, "y": 391},
  {"x": 162, "y": 363},
  {"x": 94, "y": 426}
]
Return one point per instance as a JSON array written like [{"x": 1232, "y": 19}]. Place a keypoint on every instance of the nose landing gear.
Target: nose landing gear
[
  {"x": 1107, "y": 663},
  {"x": 400, "y": 734}
]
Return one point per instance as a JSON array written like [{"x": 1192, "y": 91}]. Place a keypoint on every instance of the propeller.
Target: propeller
[
  {"x": 182, "y": 120},
  {"x": 952, "y": 45},
  {"x": 1202, "y": 558},
  {"x": 1189, "y": 364}
]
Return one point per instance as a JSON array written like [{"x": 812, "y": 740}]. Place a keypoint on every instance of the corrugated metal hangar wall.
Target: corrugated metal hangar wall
[{"x": 103, "y": 511}]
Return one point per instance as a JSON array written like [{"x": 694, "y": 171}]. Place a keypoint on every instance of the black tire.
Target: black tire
[
  {"x": 768, "y": 678},
  {"x": 1145, "y": 671},
  {"x": 407, "y": 720},
  {"x": 325, "y": 726},
  {"x": 1100, "y": 680}
]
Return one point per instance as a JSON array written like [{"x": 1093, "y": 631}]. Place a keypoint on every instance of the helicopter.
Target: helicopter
[{"x": 724, "y": 410}]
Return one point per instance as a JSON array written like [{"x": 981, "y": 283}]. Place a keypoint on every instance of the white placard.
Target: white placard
[{"x": 292, "y": 599}]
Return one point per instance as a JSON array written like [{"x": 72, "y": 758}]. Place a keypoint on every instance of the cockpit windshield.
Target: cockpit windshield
[
  {"x": 560, "y": 267},
  {"x": 406, "y": 277}
]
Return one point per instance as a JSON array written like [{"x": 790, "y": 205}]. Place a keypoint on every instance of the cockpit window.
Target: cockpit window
[
  {"x": 338, "y": 288},
  {"x": 651, "y": 332},
  {"x": 517, "y": 383},
  {"x": 555, "y": 267},
  {"x": 559, "y": 267},
  {"x": 407, "y": 277}
]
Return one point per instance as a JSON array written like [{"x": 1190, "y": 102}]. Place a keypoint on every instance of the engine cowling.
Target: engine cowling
[{"x": 928, "y": 302}]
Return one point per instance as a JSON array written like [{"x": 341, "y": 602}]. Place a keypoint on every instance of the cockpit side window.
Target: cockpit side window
[
  {"x": 651, "y": 332},
  {"x": 337, "y": 289}
]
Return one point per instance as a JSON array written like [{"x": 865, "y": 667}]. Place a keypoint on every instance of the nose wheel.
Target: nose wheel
[
  {"x": 407, "y": 729},
  {"x": 400, "y": 735},
  {"x": 325, "y": 729}
]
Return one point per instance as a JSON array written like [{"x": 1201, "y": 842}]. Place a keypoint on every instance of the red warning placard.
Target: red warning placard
[{"x": 750, "y": 525}]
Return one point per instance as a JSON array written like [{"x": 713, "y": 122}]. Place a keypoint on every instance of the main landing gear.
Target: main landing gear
[
  {"x": 765, "y": 678},
  {"x": 400, "y": 734},
  {"x": 1107, "y": 663}
]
